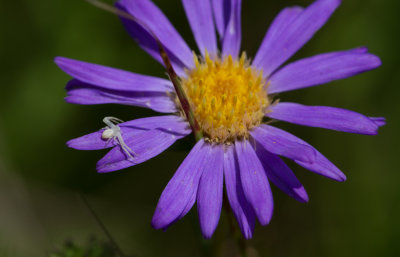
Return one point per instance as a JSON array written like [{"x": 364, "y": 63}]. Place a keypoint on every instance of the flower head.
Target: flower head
[
  {"x": 228, "y": 97},
  {"x": 231, "y": 98}
]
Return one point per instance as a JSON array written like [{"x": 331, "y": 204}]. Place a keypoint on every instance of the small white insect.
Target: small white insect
[{"x": 113, "y": 132}]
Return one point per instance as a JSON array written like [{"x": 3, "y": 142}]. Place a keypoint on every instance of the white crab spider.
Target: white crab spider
[{"x": 113, "y": 132}]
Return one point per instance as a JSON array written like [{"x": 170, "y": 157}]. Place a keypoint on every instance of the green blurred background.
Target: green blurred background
[{"x": 40, "y": 178}]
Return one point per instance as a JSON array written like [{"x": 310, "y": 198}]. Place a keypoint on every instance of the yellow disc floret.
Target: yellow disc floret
[{"x": 228, "y": 97}]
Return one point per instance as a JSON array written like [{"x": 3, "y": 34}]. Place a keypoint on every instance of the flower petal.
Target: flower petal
[
  {"x": 145, "y": 146},
  {"x": 111, "y": 78},
  {"x": 199, "y": 14},
  {"x": 281, "y": 175},
  {"x": 79, "y": 92},
  {"x": 222, "y": 13},
  {"x": 380, "y": 121},
  {"x": 240, "y": 206},
  {"x": 321, "y": 164},
  {"x": 294, "y": 36},
  {"x": 254, "y": 181},
  {"x": 282, "y": 143},
  {"x": 321, "y": 69},
  {"x": 148, "y": 13},
  {"x": 280, "y": 24},
  {"x": 94, "y": 141},
  {"x": 209, "y": 194},
  {"x": 324, "y": 117},
  {"x": 178, "y": 194},
  {"x": 233, "y": 33}
]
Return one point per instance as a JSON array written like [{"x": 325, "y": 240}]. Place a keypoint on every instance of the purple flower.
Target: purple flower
[{"x": 231, "y": 98}]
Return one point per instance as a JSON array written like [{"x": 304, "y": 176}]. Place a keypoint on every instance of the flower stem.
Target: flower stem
[{"x": 198, "y": 134}]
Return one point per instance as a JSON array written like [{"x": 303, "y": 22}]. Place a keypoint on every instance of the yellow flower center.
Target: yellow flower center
[{"x": 228, "y": 97}]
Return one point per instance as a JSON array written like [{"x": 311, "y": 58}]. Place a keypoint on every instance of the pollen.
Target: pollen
[{"x": 228, "y": 97}]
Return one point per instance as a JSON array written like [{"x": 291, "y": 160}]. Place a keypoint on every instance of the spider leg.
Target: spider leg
[
  {"x": 115, "y": 120},
  {"x": 128, "y": 151}
]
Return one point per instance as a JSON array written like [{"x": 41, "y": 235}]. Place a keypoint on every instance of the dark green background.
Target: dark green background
[{"x": 40, "y": 177}]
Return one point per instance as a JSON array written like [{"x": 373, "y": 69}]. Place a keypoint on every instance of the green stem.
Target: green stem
[{"x": 198, "y": 134}]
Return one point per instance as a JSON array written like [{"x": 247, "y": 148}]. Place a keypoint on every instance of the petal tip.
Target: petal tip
[
  {"x": 105, "y": 168},
  {"x": 376, "y": 61},
  {"x": 155, "y": 223},
  {"x": 58, "y": 60},
  {"x": 379, "y": 121},
  {"x": 301, "y": 195},
  {"x": 71, "y": 143},
  {"x": 264, "y": 221},
  {"x": 340, "y": 178}
]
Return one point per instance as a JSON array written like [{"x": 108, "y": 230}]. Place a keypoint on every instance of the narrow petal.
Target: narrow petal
[
  {"x": 321, "y": 164},
  {"x": 241, "y": 208},
  {"x": 151, "y": 16},
  {"x": 111, "y": 78},
  {"x": 178, "y": 194},
  {"x": 79, "y": 92},
  {"x": 295, "y": 35},
  {"x": 233, "y": 33},
  {"x": 171, "y": 123},
  {"x": 282, "y": 143},
  {"x": 145, "y": 146},
  {"x": 199, "y": 14},
  {"x": 280, "y": 24},
  {"x": 321, "y": 69},
  {"x": 94, "y": 141},
  {"x": 254, "y": 181},
  {"x": 209, "y": 194},
  {"x": 380, "y": 121},
  {"x": 281, "y": 175},
  {"x": 324, "y": 117},
  {"x": 222, "y": 13}
]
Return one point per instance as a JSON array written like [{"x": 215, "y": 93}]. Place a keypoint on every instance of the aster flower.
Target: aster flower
[{"x": 232, "y": 99}]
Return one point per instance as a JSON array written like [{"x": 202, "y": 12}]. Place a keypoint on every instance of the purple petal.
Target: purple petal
[
  {"x": 93, "y": 141},
  {"x": 151, "y": 16},
  {"x": 280, "y": 24},
  {"x": 222, "y": 13},
  {"x": 243, "y": 212},
  {"x": 199, "y": 14},
  {"x": 145, "y": 146},
  {"x": 282, "y": 143},
  {"x": 281, "y": 175},
  {"x": 178, "y": 194},
  {"x": 233, "y": 33},
  {"x": 110, "y": 78},
  {"x": 321, "y": 165},
  {"x": 209, "y": 194},
  {"x": 321, "y": 69},
  {"x": 169, "y": 123},
  {"x": 82, "y": 93},
  {"x": 254, "y": 181},
  {"x": 380, "y": 121},
  {"x": 295, "y": 35},
  {"x": 324, "y": 117}
]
